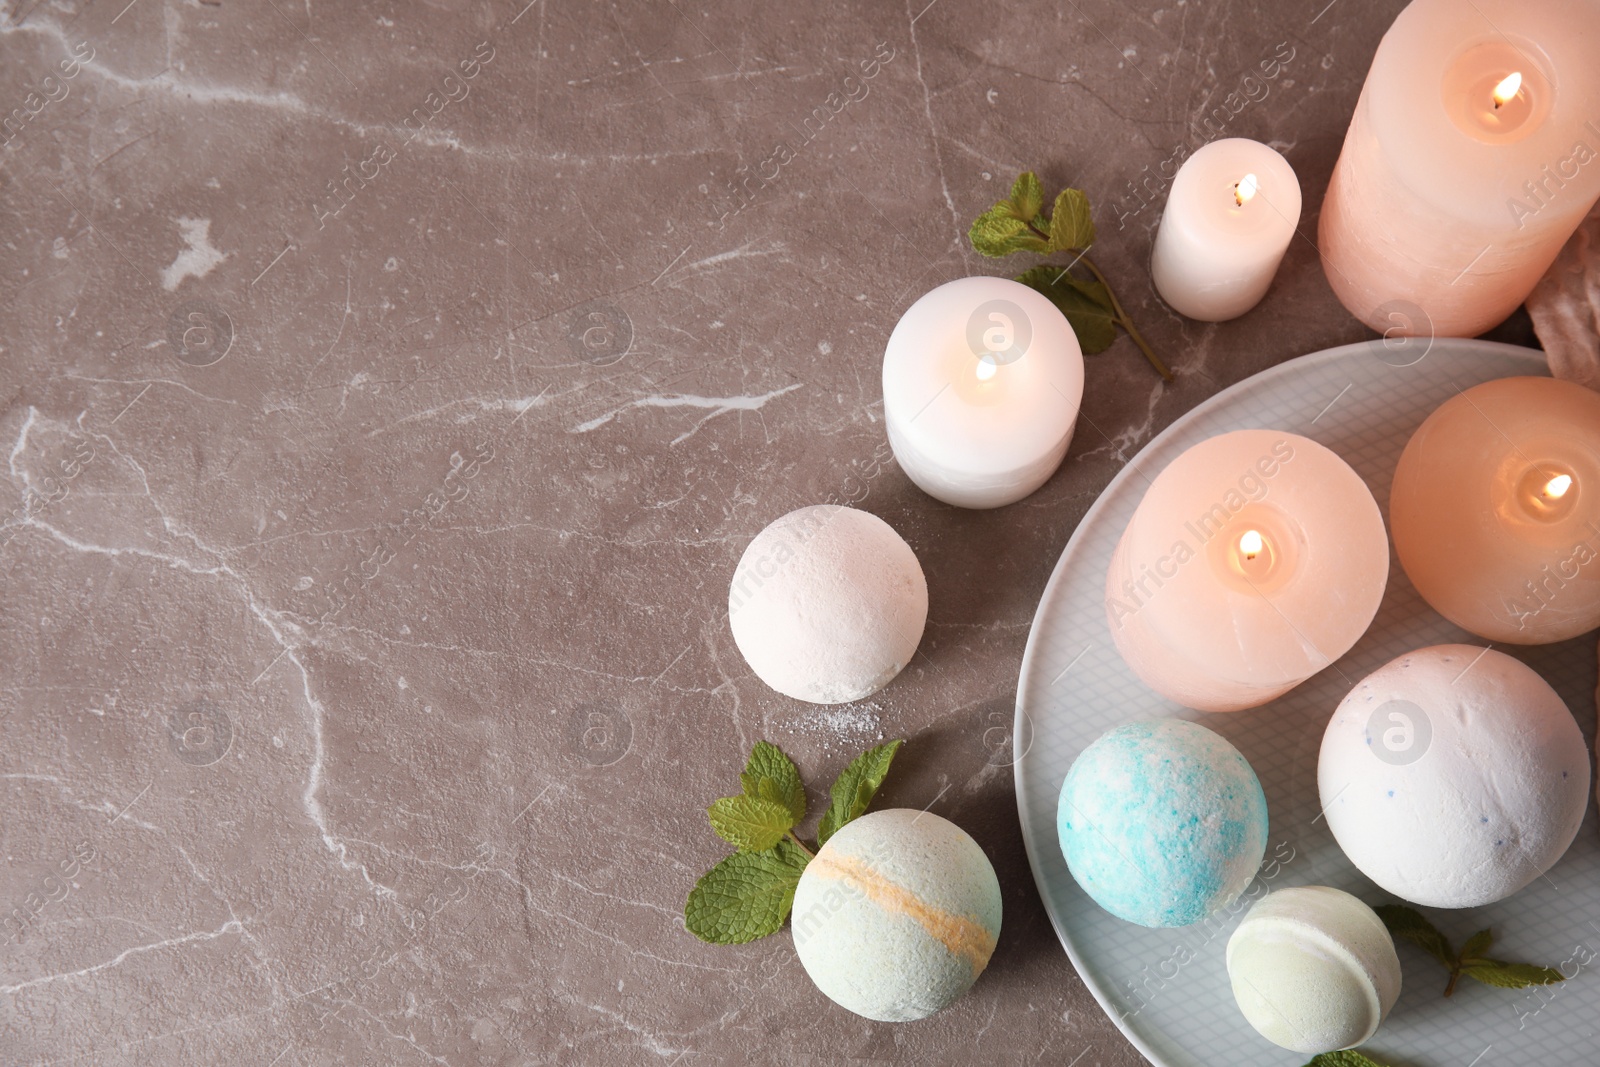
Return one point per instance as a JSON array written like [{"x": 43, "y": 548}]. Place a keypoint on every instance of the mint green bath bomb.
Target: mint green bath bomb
[{"x": 897, "y": 915}]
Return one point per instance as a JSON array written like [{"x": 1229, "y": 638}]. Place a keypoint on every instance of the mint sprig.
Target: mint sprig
[
  {"x": 1016, "y": 224},
  {"x": 750, "y": 893},
  {"x": 1408, "y": 924}
]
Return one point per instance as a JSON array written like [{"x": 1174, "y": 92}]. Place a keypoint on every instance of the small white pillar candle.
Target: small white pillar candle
[
  {"x": 982, "y": 379},
  {"x": 1255, "y": 559},
  {"x": 1473, "y": 154},
  {"x": 1229, "y": 218}
]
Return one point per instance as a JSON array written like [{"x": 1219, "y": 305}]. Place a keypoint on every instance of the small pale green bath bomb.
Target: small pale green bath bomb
[
  {"x": 1313, "y": 969},
  {"x": 897, "y": 915}
]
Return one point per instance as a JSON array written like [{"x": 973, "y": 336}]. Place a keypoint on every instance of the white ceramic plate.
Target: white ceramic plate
[{"x": 1168, "y": 989}]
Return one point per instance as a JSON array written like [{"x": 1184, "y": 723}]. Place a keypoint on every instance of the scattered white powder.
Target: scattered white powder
[{"x": 843, "y": 724}]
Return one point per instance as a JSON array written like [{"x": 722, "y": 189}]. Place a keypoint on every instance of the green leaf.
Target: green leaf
[
  {"x": 998, "y": 232},
  {"x": 1510, "y": 975},
  {"x": 1408, "y": 924},
  {"x": 753, "y": 824},
  {"x": 1477, "y": 945},
  {"x": 773, "y": 776},
  {"x": 1027, "y": 196},
  {"x": 1071, "y": 225},
  {"x": 1347, "y": 1058},
  {"x": 854, "y": 789},
  {"x": 746, "y": 896},
  {"x": 1086, "y": 305}
]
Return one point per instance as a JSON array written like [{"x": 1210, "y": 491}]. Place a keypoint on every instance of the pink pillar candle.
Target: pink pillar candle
[
  {"x": 1255, "y": 560},
  {"x": 1496, "y": 510},
  {"x": 1473, "y": 154}
]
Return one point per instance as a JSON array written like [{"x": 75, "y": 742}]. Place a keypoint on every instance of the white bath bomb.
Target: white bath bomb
[
  {"x": 1453, "y": 776},
  {"x": 828, "y": 604},
  {"x": 897, "y": 915},
  {"x": 1313, "y": 969}
]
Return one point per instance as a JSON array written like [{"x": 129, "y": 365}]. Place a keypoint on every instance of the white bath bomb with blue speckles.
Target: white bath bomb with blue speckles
[
  {"x": 828, "y": 604},
  {"x": 1162, "y": 822},
  {"x": 897, "y": 915},
  {"x": 1453, "y": 776}
]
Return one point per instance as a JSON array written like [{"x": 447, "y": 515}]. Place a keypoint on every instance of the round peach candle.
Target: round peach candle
[
  {"x": 1496, "y": 510},
  {"x": 1255, "y": 560},
  {"x": 1473, "y": 154},
  {"x": 1228, "y": 220}
]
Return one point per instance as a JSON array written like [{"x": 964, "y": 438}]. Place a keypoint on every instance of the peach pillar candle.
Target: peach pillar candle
[
  {"x": 1473, "y": 154},
  {"x": 1255, "y": 560},
  {"x": 1229, "y": 218},
  {"x": 1496, "y": 510}
]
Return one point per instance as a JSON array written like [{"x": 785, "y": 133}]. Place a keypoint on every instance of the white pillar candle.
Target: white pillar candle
[
  {"x": 1255, "y": 559},
  {"x": 1229, "y": 218},
  {"x": 982, "y": 378},
  {"x": 1473, "y": 154}
]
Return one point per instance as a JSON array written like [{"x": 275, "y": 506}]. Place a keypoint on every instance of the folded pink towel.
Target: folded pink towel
[{"x": 1565, "y": 307}]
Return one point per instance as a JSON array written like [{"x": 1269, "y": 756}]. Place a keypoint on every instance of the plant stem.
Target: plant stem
[
  {"x": 1455, "y": 973},
  {"x": 801, "y": 845},
  {"x": 1126, "y": 322},
  {"x": 1122, "y": 318}
]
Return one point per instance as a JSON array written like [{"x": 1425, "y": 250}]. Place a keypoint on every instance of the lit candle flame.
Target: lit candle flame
[
  {"x": 1507, "y": 88},
  {"x": 1251, "y": 544},
  {"x": 986, "y": 367},
  {"x": 1245, "y": 189},
  {"x": 1557, "y": 487}
]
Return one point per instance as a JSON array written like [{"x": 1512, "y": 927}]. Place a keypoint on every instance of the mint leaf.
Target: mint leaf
[
  {"x": 854, "y": 789},
  {"x": 1408, "y": 924},
  {"x": 1476, "y": 945},
  {"x": 1027, "y": 196},
  {"x": 1086, "y": 305},
  {"x": 1347, "y": 1058},
  {"x": 1510, "y": 975},
  {"x": 753, "y": 824},
  {"x": 1070, "y": 223},
  {"x": 1005, "y": 227},
  {"x": 998, "y": 232},
  {"x": 746, "y": 896},
  {"x": 773, "y": 776}
]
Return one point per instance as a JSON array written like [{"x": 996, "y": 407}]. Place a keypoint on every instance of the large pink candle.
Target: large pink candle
[
  {"x": 1473, "y": 154},
  {"x": 1255, "y": 560},
  {"x": 1496, "y": 510}
]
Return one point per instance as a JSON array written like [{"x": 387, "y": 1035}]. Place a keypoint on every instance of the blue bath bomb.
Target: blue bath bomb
[{"x": 1162, "y": 822}]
